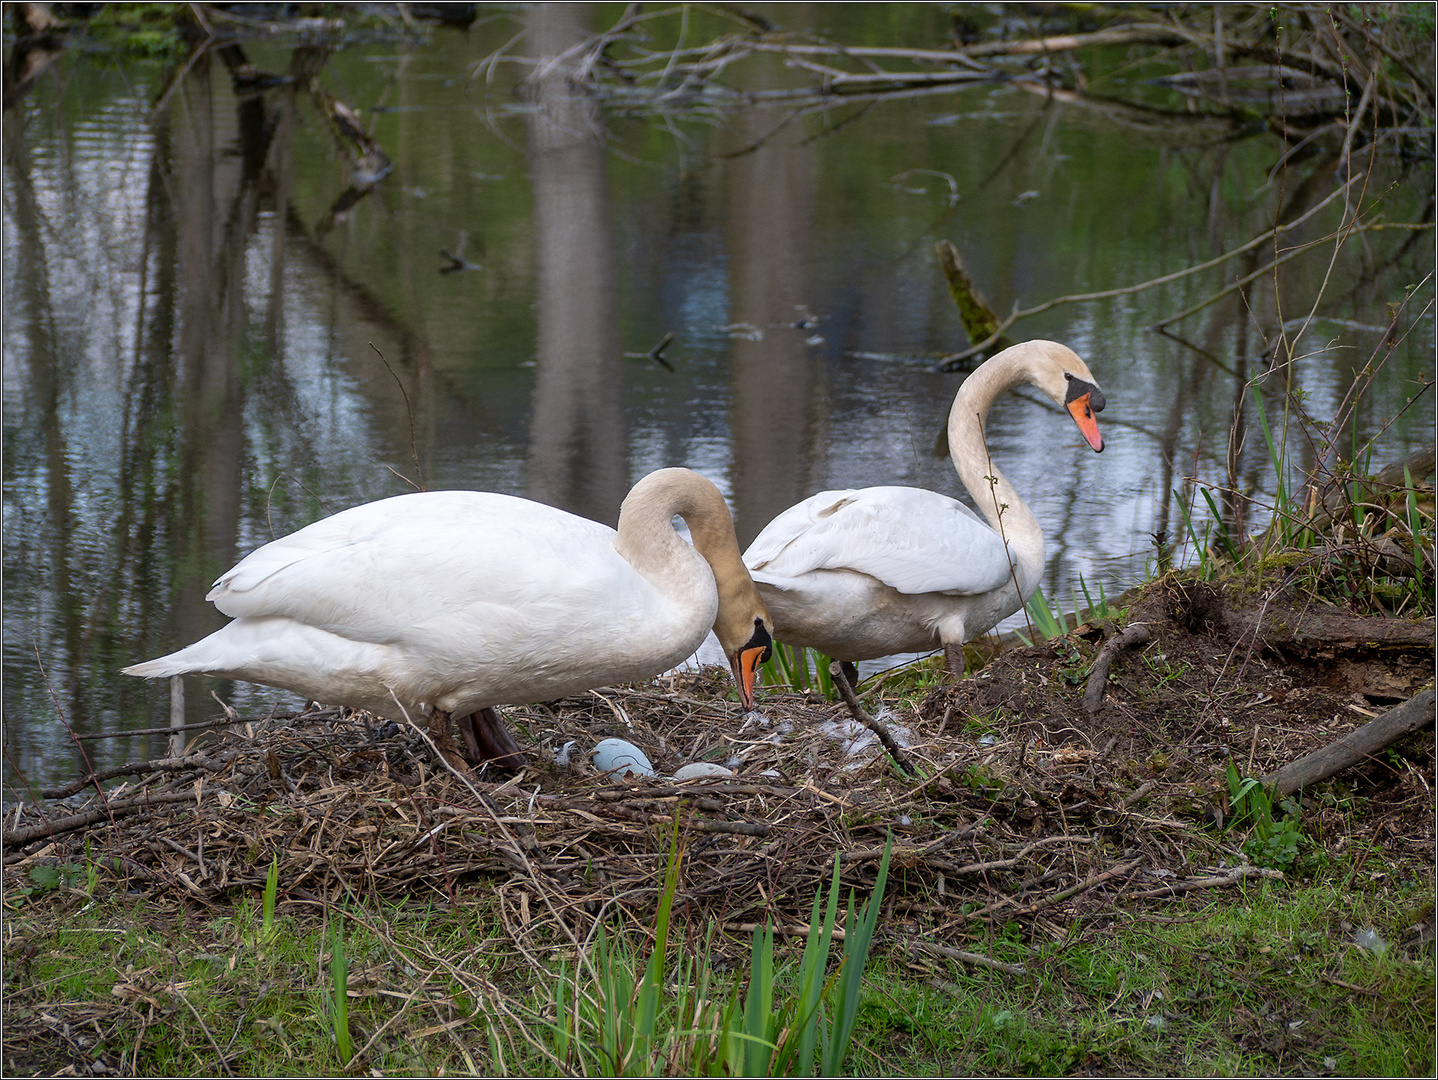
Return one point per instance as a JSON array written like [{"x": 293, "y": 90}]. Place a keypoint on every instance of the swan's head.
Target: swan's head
[
  {"x": 746, "y": 644},
  {"x": 742, "y": 625},
  {"x": 1059, "y": 373},
  {"x": 742, "y": 622}
]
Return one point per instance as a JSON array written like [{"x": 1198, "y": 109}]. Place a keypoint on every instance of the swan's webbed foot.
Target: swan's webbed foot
[{"x": 487, "y": 739}]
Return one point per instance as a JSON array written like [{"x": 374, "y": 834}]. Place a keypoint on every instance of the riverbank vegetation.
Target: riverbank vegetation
[{"x": 1117, "y": 890}]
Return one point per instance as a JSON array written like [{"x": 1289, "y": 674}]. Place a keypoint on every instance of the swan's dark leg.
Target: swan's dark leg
[
  {"x": 851, "y": 671},
  {"x": 954, "y": 659},
  {"x": 439, "y": 731},
  {"x": 489, "y": 740},
  {"x": 470, "y": 731}
]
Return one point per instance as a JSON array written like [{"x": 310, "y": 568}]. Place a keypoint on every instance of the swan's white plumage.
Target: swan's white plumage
[
  {"x": 458, "y": 600},
  {"x": 873, "y": 571},
  {"x": 912, "y": 540}
]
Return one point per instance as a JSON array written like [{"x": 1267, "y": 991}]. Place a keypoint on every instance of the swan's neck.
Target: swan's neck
[
  {"x": 648, "y": 542},
  {"x": 994, "y": 496}
]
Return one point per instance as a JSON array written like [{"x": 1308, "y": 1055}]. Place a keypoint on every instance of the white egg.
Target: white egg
[
  {"x": 622, "y": 758},
  {"x": 696, "y": 769}
]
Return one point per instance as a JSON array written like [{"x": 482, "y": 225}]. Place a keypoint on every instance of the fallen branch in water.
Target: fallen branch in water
[
  {"x": 1149, "y": 33},
  {"x": 980, "y": 321},
  {"x": 953, "y": 361}
]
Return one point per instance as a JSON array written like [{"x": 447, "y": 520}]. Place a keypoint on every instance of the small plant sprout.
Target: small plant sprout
[
  {"x": 1271, "y": 843},
  {"x": 1045, "y": 621},
  {"x": 339, "y": 1003},
  {"x": 267, "y": 909}
]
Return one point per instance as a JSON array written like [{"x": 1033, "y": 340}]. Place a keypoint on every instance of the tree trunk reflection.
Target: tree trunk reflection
[
  {"x": 768, "y": 234},
  {"x": 577, "y": 435}
]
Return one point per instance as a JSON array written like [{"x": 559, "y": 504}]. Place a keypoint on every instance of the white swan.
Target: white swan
[
  {"x": 446, "y": 603},
  {"x": 869, "y": 572}
]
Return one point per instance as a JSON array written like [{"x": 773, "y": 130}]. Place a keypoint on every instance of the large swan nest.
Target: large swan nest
[{"x": 1027, "y": 809}]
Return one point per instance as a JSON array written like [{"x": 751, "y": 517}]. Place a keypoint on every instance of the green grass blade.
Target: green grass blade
[
  {"x": 1274, "y": 457},
  {"x": 808, "y": 1014},
  {"x": 856, "y": 955},
  {"x": 759, "y": 1004},
  {"x": 1199, "y": 546},
  {"x": 339, "y": 976},
  {"x": 1415, "y": 530},
  {"x": 647, "y": 1010},
  {"x": 564, "y": 1017},
  {"x": 267, "y": 913},
  {"x": 825, "y": 681},
  {"x": 1048, "y": 623},
  {"x": 1222, "y": 537}
]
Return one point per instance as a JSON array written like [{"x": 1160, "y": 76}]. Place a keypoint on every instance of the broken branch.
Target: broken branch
[
  {"x": 1132, "y": 635},
  {"x": 1356, "y": 747},
  {"x": 877, "y": 727}
]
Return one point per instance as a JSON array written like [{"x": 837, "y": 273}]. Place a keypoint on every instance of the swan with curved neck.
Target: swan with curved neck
[
  {"x": 444, "y": 604},
  {"x": 864, "y": 573}
]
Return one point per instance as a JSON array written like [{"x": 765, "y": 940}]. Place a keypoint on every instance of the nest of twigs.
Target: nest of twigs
[{"x": 1006, "y": 826}]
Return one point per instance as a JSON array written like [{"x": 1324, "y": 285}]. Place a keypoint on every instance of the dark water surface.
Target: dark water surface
[{"x": 218, "y": 328}]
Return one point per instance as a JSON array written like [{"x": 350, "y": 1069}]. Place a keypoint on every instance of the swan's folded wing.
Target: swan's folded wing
[
  {"x": 375, "y": 572},
  {"x": 913, "y": 540}
]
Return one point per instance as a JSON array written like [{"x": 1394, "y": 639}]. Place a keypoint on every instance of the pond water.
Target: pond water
[{"x": 220, "y": 326}]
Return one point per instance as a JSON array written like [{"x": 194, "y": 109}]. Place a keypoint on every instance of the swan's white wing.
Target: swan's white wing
[
  {"x": 384, "y": 571},
  {"x": 914, "y": 540}
]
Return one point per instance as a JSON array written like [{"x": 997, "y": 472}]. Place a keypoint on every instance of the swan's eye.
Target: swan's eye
[
  {"x": 1085, "y": 391},
  {"x": 760, "y": 639}
]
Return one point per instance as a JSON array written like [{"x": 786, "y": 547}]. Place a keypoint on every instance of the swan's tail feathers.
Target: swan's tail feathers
[
  {"x": 781, "y": 582},
  {"x": 161, "y": 667}
]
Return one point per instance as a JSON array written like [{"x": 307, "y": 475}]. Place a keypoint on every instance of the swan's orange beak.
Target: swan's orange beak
[
  {"x": 745, "y": 663},
  {"x": 1082, "y": 410},
  {"x": 746, "y": 673}
]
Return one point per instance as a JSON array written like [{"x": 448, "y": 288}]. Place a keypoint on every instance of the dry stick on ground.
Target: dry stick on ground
[
  {"x": 1216, "y": 882},
  {"x": 973, "y": 959},
  {"x": 1132, "y": 635},
  {"x": 52, "y": 828},
  {"x": 877, "y": 727},
  {"x": 1138, "y": 793},
  {"x": 1121, "y": 870},
  {"x": 136, "y": 768},
  {"x": 1356, "y": 747}
]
